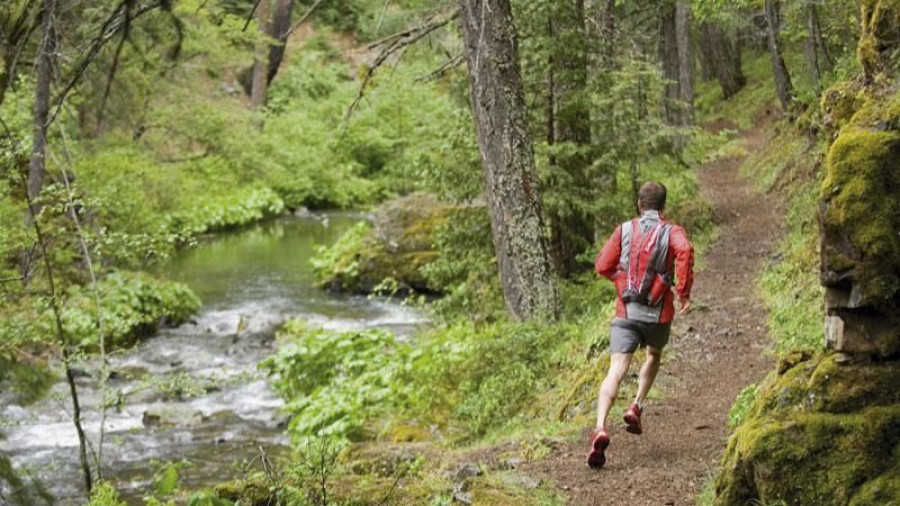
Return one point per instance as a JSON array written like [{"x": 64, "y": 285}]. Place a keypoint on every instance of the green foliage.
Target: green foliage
[
  {"x": 466, "y": 269},
  {"x": 131, "y": 305},
  {"x": 339, "y": 262},
  {"x": 741, "y": 407},
  {"x": 486, "y": 375},
  {"x": 104, "y": 494},
  {"x": 206, "y": 498},
  {"x": 334, "y": 382},
  {"x": 789, "y": 285},
  {"x": 742, "y": 110}
]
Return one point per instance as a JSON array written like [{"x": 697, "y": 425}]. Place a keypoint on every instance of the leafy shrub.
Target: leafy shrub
[
  {"x": 466, "y": 270},
  {"x": 340, "y": 261},
  {"x": 334, "y": 382},
  {"x": 484, "y": 375},
  {"x": 104, "y": 494},
  {"x": 227, "y": 212},
  {"x": 131, "y": 304}
]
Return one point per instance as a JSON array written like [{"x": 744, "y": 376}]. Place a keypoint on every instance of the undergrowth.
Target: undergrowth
[{"x": 789, "y": 285}]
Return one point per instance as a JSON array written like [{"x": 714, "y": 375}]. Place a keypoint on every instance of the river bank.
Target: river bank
[{"x": 193, "y": 392}]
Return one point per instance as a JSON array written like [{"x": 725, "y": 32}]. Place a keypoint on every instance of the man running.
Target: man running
[{"x": 643, "y": 257}]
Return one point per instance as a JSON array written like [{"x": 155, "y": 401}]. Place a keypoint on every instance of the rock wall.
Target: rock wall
[
  {"x": 825, "y": 427},
  {"x": 860, "y": 196}
]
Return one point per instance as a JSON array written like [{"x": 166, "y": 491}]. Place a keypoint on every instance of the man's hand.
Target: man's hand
[{"x": 684, "y": 305}]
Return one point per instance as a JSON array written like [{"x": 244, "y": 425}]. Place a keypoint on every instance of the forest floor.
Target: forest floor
[{"x": 715, "y": 351}]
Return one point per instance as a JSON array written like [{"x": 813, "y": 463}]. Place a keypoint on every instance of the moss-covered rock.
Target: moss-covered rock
[
  {"x": 824, "y": 432},
  {"x": 389, "y": 255},
  {"x": 251, "y": 492},
  {"x": 860, "y": 231}
]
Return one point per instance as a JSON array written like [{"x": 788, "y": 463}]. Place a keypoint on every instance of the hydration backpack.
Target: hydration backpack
[{"x": 644, "y": 278}]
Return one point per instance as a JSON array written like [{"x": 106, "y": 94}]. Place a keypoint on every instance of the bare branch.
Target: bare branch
[
  {"x": 250, "y": 16},
  {"x": 303, "y": 18},
  {"x": 111, "y": 27},
  {"x": 394, "y": 43},
  {"x": 115, "y": 63},
  {"x": 443, "y": 69}
]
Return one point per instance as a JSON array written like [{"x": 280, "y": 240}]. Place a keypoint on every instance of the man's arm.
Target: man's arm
[
  {"x": 684, "y": 267},
  {"x": 607, "y": 262}
]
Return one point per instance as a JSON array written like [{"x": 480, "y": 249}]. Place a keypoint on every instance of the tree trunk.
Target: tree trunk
[
  {"x": 783, "y": 85},
  {"x": 571, "y": 229},
  {"x": 705, "y": 54},
  {"x": 511, "y": 185},
  {"x": 604, "y": 28},
  {"x": 668, "y": 56},
  {"x": 281, "y": 25},
  {"x": 816, "y": 51},
  {"x": 43, "y": 76},
  {"x": 722, "y": 58},
  {"x": 259, "y": 80},
  {"x": 685, "y": 60}
]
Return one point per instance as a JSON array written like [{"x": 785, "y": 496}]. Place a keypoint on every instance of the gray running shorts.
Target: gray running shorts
[{"x": 626, "y": 335}]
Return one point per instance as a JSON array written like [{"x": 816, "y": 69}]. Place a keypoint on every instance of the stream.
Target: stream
[{"x": 194, "y": 392}]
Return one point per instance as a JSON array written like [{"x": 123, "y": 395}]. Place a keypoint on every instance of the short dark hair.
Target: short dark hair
[{"x": 652, "y": 196}]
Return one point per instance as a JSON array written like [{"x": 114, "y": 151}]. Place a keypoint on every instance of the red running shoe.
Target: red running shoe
[
  {"x": 599, "y": 443},
  {"x": 633, "y": 419}
]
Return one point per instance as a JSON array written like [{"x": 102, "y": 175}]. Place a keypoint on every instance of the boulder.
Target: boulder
[
  {"x": 172, "y": 416},
  {"x": 389, "y": 255},
  {"x": 825, "y": 431}
]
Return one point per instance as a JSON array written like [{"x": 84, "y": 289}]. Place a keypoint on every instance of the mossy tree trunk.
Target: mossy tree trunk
[
  {"x": 783, "y": 86},
  {"x": 511, "y": 183}
]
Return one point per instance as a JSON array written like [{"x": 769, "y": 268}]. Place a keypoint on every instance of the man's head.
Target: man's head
[{"x": 652, "y": 196}]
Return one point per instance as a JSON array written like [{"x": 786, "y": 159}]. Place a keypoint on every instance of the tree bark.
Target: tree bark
[
  {"x": 259, "y": 80},
  {"x": 571, "y": 228},
  {"x": 511, "y": 184},
  {"x": 668, "y": 56},
  {"x": 816, "y": 50},
  {"x": 43, "y": 76},
  {"x": 601, "y": 29},
  {"x": 685, "y": 60},
  {"x": 279, "y": 30},
  {"x": 783, "y": 86},
  {"x": 722, "y": 58}
]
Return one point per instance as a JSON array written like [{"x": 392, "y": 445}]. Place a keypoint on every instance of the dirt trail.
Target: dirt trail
[{"x": 717, "y": 351}]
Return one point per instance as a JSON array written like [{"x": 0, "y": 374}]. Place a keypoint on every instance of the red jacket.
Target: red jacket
[{"x": 680, "y": 261}]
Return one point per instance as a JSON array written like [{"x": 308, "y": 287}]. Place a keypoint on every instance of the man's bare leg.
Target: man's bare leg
[
  {"x": 648, "y": 373},
  {"x": 609, "y": 390}
]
